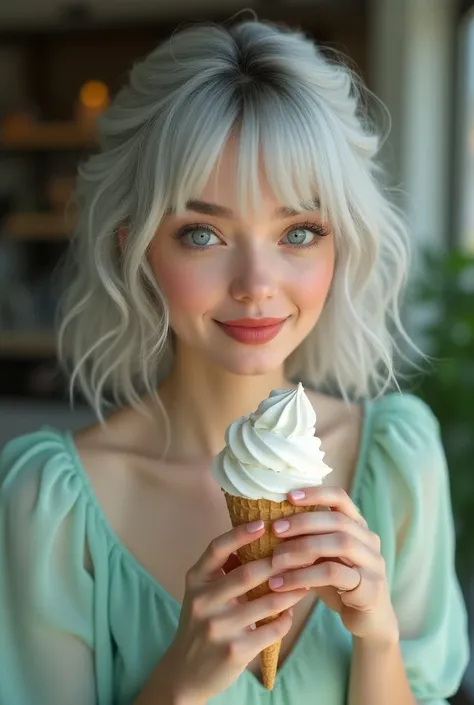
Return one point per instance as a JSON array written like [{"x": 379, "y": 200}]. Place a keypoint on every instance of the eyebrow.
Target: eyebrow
[{"x": 222, "y": 212}]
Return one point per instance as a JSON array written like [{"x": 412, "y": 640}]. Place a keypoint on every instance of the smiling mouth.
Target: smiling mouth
[{"x": 253, "y": 331}]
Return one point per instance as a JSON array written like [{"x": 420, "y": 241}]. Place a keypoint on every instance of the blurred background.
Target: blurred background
[{"x": 62, "y": 61}]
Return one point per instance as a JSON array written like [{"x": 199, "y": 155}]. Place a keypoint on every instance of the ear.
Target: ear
[{"x": 122, "y": 237}]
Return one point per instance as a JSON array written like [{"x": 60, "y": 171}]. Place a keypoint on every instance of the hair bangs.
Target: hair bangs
[{"x": 274, "y": 145}]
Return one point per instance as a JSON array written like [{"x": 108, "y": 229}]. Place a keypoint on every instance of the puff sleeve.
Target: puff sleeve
[
  {"x": 46, "y": 594},
  {"x": 405, "y": 497}
]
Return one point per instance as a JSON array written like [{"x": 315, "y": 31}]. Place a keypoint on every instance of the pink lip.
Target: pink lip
[
  {"x": 252, "y": 331},
  {"x": 253, "y": 322}
]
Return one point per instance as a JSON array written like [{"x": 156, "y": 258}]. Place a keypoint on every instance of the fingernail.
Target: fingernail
[
  {"x": 255, "y": 526},
  {"x": 275, "y": 582},
  {"x": 290, "y": 611},
  {"x": 281, "y": 525},
  {"x": 297, "y": 494}
]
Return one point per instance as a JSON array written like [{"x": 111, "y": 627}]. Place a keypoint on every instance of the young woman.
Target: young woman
[{"x": 235, "y": 187}]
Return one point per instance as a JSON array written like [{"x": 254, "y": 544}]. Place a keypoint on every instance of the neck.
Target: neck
[{"x": 201, "y": 401}]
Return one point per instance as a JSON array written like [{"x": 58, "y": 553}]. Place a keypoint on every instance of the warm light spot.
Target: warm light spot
[{"x": 94, "y": 95}]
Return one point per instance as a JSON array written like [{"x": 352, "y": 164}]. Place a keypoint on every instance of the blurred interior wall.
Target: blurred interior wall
[{"x": 412, "y": 69}]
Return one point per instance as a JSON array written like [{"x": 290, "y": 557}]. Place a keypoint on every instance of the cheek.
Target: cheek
[
  {"x": 312, "y": 286},
  {"x": 187, "y": 289}
]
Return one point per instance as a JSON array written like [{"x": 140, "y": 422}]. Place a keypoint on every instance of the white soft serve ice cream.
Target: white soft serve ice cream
[{"x": 272, "y": 451}]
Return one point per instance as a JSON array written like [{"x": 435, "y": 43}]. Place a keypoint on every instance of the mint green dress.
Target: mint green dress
[{"x": 67, "y": 638}]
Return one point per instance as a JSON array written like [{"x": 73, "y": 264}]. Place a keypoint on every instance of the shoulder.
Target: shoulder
[
  {"x": 33, "y": 459},
  {"x": 48, "y": 459},
  {"x": 405, "y": 427},
  {"x": 400, "y": 405},
  {"x": 41, "y": 490},
  {"x": 52, "y": 466},
  {"x": 47, "y": 489}
]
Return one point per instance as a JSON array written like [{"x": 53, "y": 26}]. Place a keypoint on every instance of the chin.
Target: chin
[{"x": 251, "y": 365}]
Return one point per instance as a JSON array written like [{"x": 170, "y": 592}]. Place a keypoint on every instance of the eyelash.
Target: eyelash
[{"x": 314, "y": 227}]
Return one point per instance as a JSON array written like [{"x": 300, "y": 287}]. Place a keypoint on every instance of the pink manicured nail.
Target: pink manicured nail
[
  {"x": 275, "y": 582},
  {"x": 281, "y": 525},
  {"x": 297, "y": 494},
  {"x": 255, "y": 526}
]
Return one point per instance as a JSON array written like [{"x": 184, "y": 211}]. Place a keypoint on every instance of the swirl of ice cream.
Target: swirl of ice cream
[{"x": 272, "y": 451}]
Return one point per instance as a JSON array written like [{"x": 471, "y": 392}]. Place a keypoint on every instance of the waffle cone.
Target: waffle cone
[{"x": 242, "y": 511}]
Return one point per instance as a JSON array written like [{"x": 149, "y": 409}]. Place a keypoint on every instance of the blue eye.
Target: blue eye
[
  {"x": 299, "y": 236},
  {"x": 305, "y": 235},
  {"x": 197, "y": 237}
]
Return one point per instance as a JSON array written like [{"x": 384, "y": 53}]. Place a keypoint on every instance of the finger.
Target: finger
[
  {"x": 239, "y": 581},
  {"x": 256, "y": 640},
  {"x": 367, "y": 593},
  {"x": 239, "y": 618},
  {"x": 327, "y": 496},
  {"x": 321, "y": 523},
  {"x": 328, "y": 573},
  {"x": 301, "y": 551},
  {"x": 220, "y": 549}
]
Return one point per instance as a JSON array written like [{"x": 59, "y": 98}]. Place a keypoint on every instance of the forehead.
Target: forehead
[{"x": 223, "y": 185}]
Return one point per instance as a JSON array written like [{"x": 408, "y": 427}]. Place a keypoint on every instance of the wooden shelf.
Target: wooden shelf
[
  {"x": 39, "y": 226},
  {"x": 27, "y": 343},
  {"x": 48, "y": 135}
]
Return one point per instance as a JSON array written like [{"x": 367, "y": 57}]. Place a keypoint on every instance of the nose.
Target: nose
[{"x": 254, "y": 281}]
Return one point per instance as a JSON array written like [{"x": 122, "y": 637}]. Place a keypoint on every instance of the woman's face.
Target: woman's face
[{"x": 215, "y": 267}]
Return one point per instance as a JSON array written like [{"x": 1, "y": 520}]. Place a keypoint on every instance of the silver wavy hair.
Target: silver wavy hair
[{"x": 304, "y": 113}]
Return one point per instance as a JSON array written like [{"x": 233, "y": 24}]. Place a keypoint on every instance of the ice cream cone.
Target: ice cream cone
[
  {"x": 242, "y": 511},
  {"x": 267, "y": 454}
]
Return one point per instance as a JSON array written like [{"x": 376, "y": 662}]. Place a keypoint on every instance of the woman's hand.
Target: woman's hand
[
  {"x": 216, "y": 636},
  {"x": 338, "y": 555}
]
